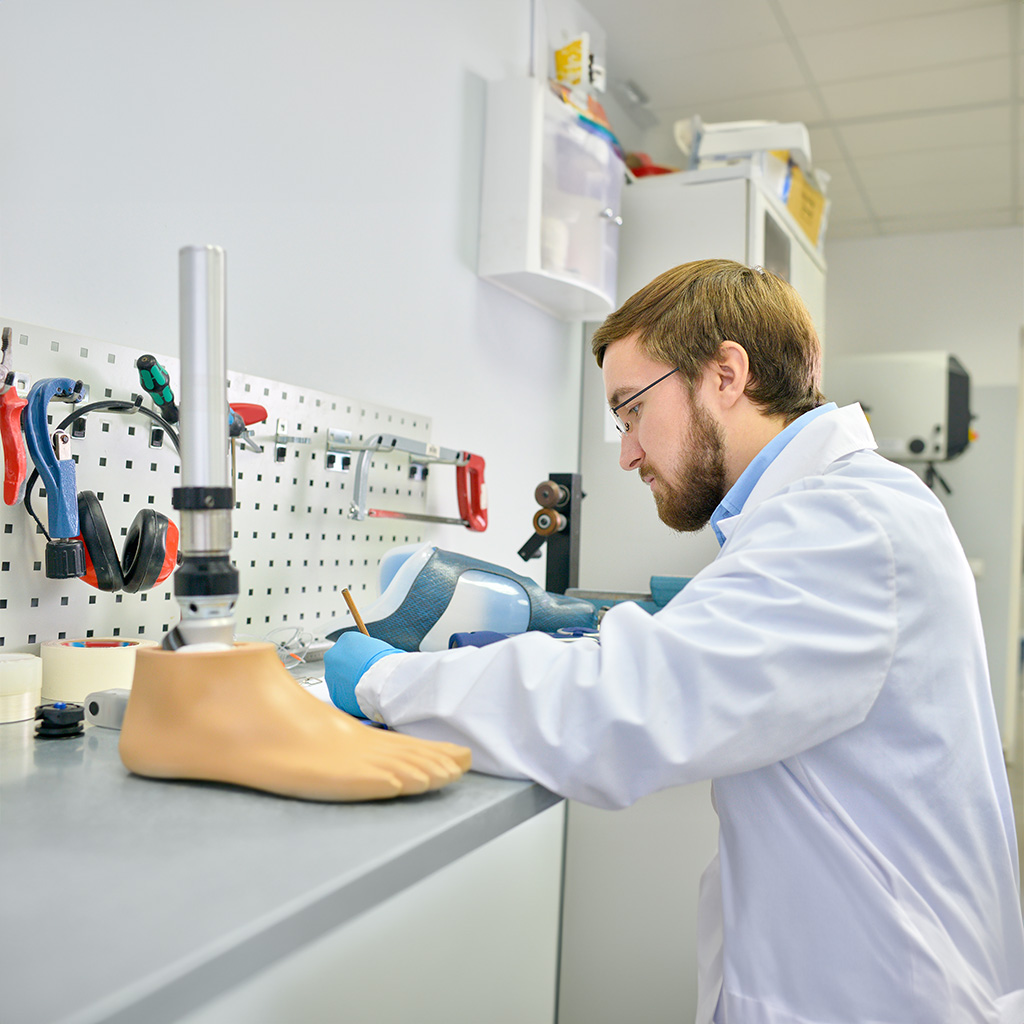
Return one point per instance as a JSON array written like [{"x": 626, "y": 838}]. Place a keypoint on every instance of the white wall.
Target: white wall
[
  {"x": 961, "y": 292},
  {"x": 333, "y": 148}
]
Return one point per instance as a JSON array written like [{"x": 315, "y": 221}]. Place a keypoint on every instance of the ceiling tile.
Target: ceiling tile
[
  {"x": 938, "y": 197},
  {"x": 790, "y": 105},
  {"x": 954, "y": 86},
  {"x": 846, "y": 208},
  {"x": 825, "y": 145},
  {"x": 927, "y": 131},
  {"x": 850, "y": 229},
  {"x": 922, "y": 42},
  {"x": 911, "y": 101},
  {"x": 669, "y": 29},
  {"x": 807, "y": 16},
  {"x": 841, "y": 182},
  {"x": 939, "y": 221},
  {"x": 989, "y": 164},
  {"x": 721, "y": 74}
]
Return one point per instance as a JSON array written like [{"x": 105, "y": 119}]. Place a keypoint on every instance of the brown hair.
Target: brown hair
[{"x": 682, "y": 317}]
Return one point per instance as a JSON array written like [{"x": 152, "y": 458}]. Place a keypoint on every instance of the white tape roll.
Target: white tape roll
[
  {"x": 21, "y": 679},
  {"x": 72, "y": 669}
]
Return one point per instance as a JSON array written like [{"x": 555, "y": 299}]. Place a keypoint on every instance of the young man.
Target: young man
[{"x": 827, "y": 671}]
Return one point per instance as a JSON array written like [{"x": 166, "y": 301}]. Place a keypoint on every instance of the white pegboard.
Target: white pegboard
[{"x": 295, "y": 545}]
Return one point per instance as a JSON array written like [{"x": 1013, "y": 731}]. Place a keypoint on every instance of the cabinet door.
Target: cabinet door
[
  {"x": 580, "y": 200},
  {"x": 778, "y": 244},
  {"x": 667, "y": 222}
]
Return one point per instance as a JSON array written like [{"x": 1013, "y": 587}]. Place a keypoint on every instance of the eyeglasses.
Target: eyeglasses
[{"x": 623, "y": 425}]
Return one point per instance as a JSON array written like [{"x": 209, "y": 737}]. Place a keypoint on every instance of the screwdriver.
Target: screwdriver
[{"x": 156, "y": 382}]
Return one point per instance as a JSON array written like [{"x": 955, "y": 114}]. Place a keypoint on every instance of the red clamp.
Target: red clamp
[
  {"x": 248, "y": 413},
  {"x": 472, "y": 491},
  {"x": 15, "y": 460},
  {"x": 11, "y": 404}
]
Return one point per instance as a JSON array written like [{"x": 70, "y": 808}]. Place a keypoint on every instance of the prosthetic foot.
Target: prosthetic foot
[
  {"x": 237, "y": 716},
  {"x": 428, "y": 594}
]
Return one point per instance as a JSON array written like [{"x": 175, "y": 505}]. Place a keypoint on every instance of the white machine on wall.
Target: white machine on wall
[{"x": 918, "y": 403}]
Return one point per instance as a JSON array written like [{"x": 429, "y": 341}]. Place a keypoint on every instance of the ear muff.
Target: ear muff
[
  {"x": 102, "y": 567},
  {"x": 150, "y": 549}
]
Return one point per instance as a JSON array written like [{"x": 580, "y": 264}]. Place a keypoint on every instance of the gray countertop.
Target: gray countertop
[{"x": 129, "y": 899}]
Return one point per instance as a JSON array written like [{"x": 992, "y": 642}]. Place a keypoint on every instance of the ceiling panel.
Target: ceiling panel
[
  {"x": 825, "y": 145},
  {"x": 722, "y": 74},
  {"x": 927, "y": 132},
  {"x": 942, "y": 221},
  {"x": 921, "y": 42},
  {"x": 914, "y": 106},
  {"x": 947, "y": 88},
  {"x": 945, "y": 197},
  {"x": 788, "y": 105},
  {"x": 670, "y": 29},
  {"x": 847, "y": 206},
  {"x": 853, "y": 229},
  {"x": 814, "y": 16},
  {"x": 988, "y": 164}
]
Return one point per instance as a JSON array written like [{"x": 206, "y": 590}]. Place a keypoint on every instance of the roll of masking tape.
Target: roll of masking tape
[
  {"x": 21, "y": 679},
  {"x": 72, "y": 669}
]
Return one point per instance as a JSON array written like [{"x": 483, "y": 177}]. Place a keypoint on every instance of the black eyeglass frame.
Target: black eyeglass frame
[{"x": 620, "y": 424}]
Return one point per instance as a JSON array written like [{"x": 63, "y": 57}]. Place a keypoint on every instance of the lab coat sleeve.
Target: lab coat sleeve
[{"x": 783, "y": 642}]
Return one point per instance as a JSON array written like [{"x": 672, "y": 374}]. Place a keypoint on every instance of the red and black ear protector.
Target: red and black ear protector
[
  {"x": 150, "y": 552},
  {"x": 150, "y": 549}
]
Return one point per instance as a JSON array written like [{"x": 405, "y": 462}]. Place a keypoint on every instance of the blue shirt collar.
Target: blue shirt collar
[{"x": 732, "y": 504}]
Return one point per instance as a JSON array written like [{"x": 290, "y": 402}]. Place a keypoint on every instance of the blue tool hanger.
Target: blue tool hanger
[{"x": 58, "y": 475}]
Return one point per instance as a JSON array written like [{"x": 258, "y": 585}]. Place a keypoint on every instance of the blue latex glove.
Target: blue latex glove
[{"x": 345, "y": 663}]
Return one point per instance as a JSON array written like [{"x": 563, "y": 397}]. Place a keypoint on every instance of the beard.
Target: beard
[{"x": 686, "y": 499}]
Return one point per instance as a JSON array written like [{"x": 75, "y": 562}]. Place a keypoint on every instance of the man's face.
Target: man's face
[{"x": 673, "y": 442}]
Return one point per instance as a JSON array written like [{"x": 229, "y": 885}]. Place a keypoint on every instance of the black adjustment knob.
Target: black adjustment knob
[
  {"x": 59, "y": 720},
  {"x": 916, "y": 446},
  {"x": 65, "y": 559}
]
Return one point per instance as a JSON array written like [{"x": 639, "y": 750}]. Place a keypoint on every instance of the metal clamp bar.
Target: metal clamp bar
[
  {"x": 391, "y": 442},
  {"x": 469, "y": 479}
]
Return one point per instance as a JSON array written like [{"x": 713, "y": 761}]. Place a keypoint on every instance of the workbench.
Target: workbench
[{"x": 127, "y": 899}]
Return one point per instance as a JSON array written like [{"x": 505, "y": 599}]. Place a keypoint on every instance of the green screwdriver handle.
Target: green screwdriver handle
[{"x": 156, "y": 382}]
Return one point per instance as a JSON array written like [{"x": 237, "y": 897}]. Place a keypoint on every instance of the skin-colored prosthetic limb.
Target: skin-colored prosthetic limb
[{"x": 237, "y": 716}]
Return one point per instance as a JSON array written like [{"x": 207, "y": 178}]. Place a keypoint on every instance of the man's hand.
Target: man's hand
[{"x": 345, "y": 663}]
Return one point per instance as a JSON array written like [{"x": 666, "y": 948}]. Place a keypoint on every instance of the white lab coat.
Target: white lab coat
[{"x": 828, "y": 672}]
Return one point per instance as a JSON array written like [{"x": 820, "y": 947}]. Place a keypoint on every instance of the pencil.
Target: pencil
[{"x": 355, "y": 611}]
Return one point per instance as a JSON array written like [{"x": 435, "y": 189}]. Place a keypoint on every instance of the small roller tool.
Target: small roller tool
[{"x": 557, "y": 524}]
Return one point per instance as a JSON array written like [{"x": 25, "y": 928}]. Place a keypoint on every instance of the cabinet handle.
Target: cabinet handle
[{"x": 609, "y": 214}]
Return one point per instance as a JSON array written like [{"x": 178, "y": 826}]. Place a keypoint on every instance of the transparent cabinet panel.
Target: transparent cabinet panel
[
  {"x": 581, "y": 191},
  {"x": 550, "y": 202}
]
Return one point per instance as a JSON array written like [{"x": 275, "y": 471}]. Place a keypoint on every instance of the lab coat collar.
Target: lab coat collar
[{"x": 828, "y": 437}]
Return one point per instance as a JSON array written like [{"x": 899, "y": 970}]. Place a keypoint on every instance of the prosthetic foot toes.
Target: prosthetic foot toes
[{"x": 237, "y": 716}]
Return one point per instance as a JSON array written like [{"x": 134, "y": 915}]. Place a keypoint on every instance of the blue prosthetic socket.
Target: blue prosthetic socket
[
  {"x": 486, "y": 637},
  {"x": 430, "y": 594},
  {"x": 345, "y": 663}
]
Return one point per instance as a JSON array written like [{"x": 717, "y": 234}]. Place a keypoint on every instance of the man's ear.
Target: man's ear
[{"x": 730, "y": 373}]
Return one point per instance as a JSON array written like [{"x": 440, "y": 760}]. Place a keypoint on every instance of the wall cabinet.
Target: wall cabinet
[{"x": 550, "y": 204}]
